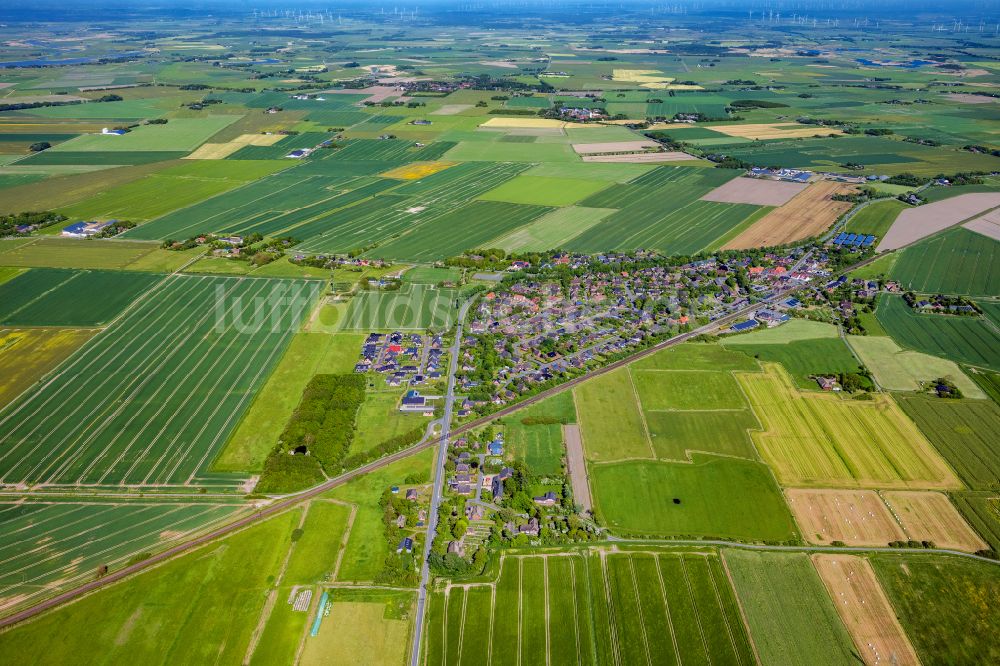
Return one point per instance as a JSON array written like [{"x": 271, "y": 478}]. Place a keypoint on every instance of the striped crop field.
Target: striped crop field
[
  {"x": 627, "y": 608},
  {"x": 151, "y": 399},
  {"x": 51, "y": 546}
]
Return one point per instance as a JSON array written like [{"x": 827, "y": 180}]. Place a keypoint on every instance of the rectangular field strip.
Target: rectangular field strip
[{"x": 151, "y": 399}]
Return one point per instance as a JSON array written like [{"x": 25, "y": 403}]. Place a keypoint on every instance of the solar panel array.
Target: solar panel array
[{"x": 853, "y": 240}]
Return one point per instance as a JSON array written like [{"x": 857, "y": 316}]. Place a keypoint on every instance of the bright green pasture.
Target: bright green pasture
[
  {"x": 200, "y": 607},
  {"x": 897, "y": 369},
  {"x": 602, "y": 171},
  {"x": 73, "y": 253},
  {"x": 790, "y": 614},
  {"x": 432, "y": 275},
  {"x": 946, "y": 605},
  {"x": 379, "y": 419},
  {"x": 179, "y": 134},
  {"x": 696, "y": 356},
  {"x": 718, "y": 497},
  {"x": 687, "y": 389},
  {"x": 309, "y": 353},
  {"x": 803, "y": 358},
  {"x": 876, "y": 218},
  {"x": 539, "y": 446},
  {"x": 412, "y": 307},
  {"x": 544, "y": 190},
  {"x": 314, "y": 555},
  {"x": 676, "y": 433},
  {"x": 480, "y": 151},
  {"x": 791, "y": 331},
  {"x": 553, "y": 230},
  {"x": 610, "y": 421}
]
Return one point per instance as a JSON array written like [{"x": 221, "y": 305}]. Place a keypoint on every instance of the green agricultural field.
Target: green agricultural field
[
  {"x": 469, "y": 227},
  {"x": 432, "y": 275},
  {"x": 958, "y": 261},
  {"x": 133, "y": 109},
  {"x": 58, "y": 297},
  {"x": 553, "y": 230},
  {"x": 373, "y": 626},
  {"x": 164, "y": 385},
  {"x": 544, "y": 191},
  {"x": 794, "y": 330},
  {"x": 982, "y": 511},
  {"x": 540, "y": 446},
  {"x": 315, "y": 553},
  {"x": 791, "y": 616},
  {"x": 817, "y": 439},
  {"x": 946, "y": 605},
  {"x": 73, "y": 253},
  {"x": 875, "y": 219},
  {"x": 964, "y": 431},
  {"x": 804, "y": 358},
  {"x": 639, "y": 608},
  {"x": 661, "y": 390},
  {"x": 379, "y": 419},
  {"x": 966, "y": 339},
  {"x": 179, "y": 134},
  {"x": 697, "y": 356},
  {"x": 897, "y": 369},
  {"x": 106, "y": 158},
  {"x": 183, "y": 597},
  {"x": 675, "y": 434},
  {"x": 610, "y": 420},
  {"x": 480, "y": 151},
  {"x": 602, "y": 171},
  {"x": 27, "y": 355},
  {"x": 49, "y": 547},
  {"x": 412, "y": 307},
  {"x": 170, "y": 189},
  {"x": 309, "y": 353},
  {"x": 711, "y": 497}
]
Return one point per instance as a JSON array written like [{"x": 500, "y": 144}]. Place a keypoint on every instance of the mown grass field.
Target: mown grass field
[
  {"x": 52, "y": 297},
  {"x": 946, "y": 605},
  {"x": 163, "y": 387},
  {"x": 711, "y": 497},
  {"x": 876, "y": 218},
  {"x": 73, "y": 253},
  {"x": 969, "y": 340},
  {"x": 179, "y": 134},
  {"x": 553, "y": 230},
  {"x": 660, "y": 390},
  {"x": 897, "y": 369},
  {"x": 610, "y": 420},
  {"x": 965, "y": 432},
  {"x": 824, "y": 353},
  {"x": 790, "y": 614},
  {"x": 26, "y": 355},
  {"x": 957, "y": 261},
  {"x": 364, "y": 626},
  {"x": 544, "y": 190},
  {"x": 638, "y": 608},
  {"x": 813, "y": 439}
]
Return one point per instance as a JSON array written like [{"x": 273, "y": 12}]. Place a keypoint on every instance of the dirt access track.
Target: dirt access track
[
  {"x": 808, "y": 213},
  {"x": 577, "y": 466},
  {"x": 914, "y": 224},
  {"x": 863, "y": 607}
]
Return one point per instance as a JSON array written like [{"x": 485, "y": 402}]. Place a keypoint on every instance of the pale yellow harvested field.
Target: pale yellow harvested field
[
  {"x": 450, "y": 109},
  {"x": 987, "y": 225},
  {"x": 218, "y": 151},
  {"x": 913, "y": 224},
  {"x": 808, "y": 213},
  {"x": 534, "y": 123},
  {"x": 928, "y": 516},
  {"x": 757, "y": 191},
  {"x": 814, "y": 439},
  {"x": 773, "y": 130},
  {"x": 614, "y": 147},
  {"x": 417, "y": 170},
  {"x": 641, "y": 158},
  {"x": 966, "y": 98},
  {"x": 855, "y": 517},
  {"x": 642, "y": 76},
  {"x": 865, "y": 610}
]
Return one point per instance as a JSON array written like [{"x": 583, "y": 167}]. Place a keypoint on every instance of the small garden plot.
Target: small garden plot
[
  {"x": 544, "y": 191},
  {"x": 755, "y": 191},
  {"x": 822, "y": 440},
  {"x": 970, "y": 340},
  {"x": 687, "y": 389},
  {"x": 853, "y": 517},
  {"x": 946, "y": 605},
  {"x": 964, "y": 431},
  {"x": 790, "y": 614},
  {"x": 711, "y": 497}
]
